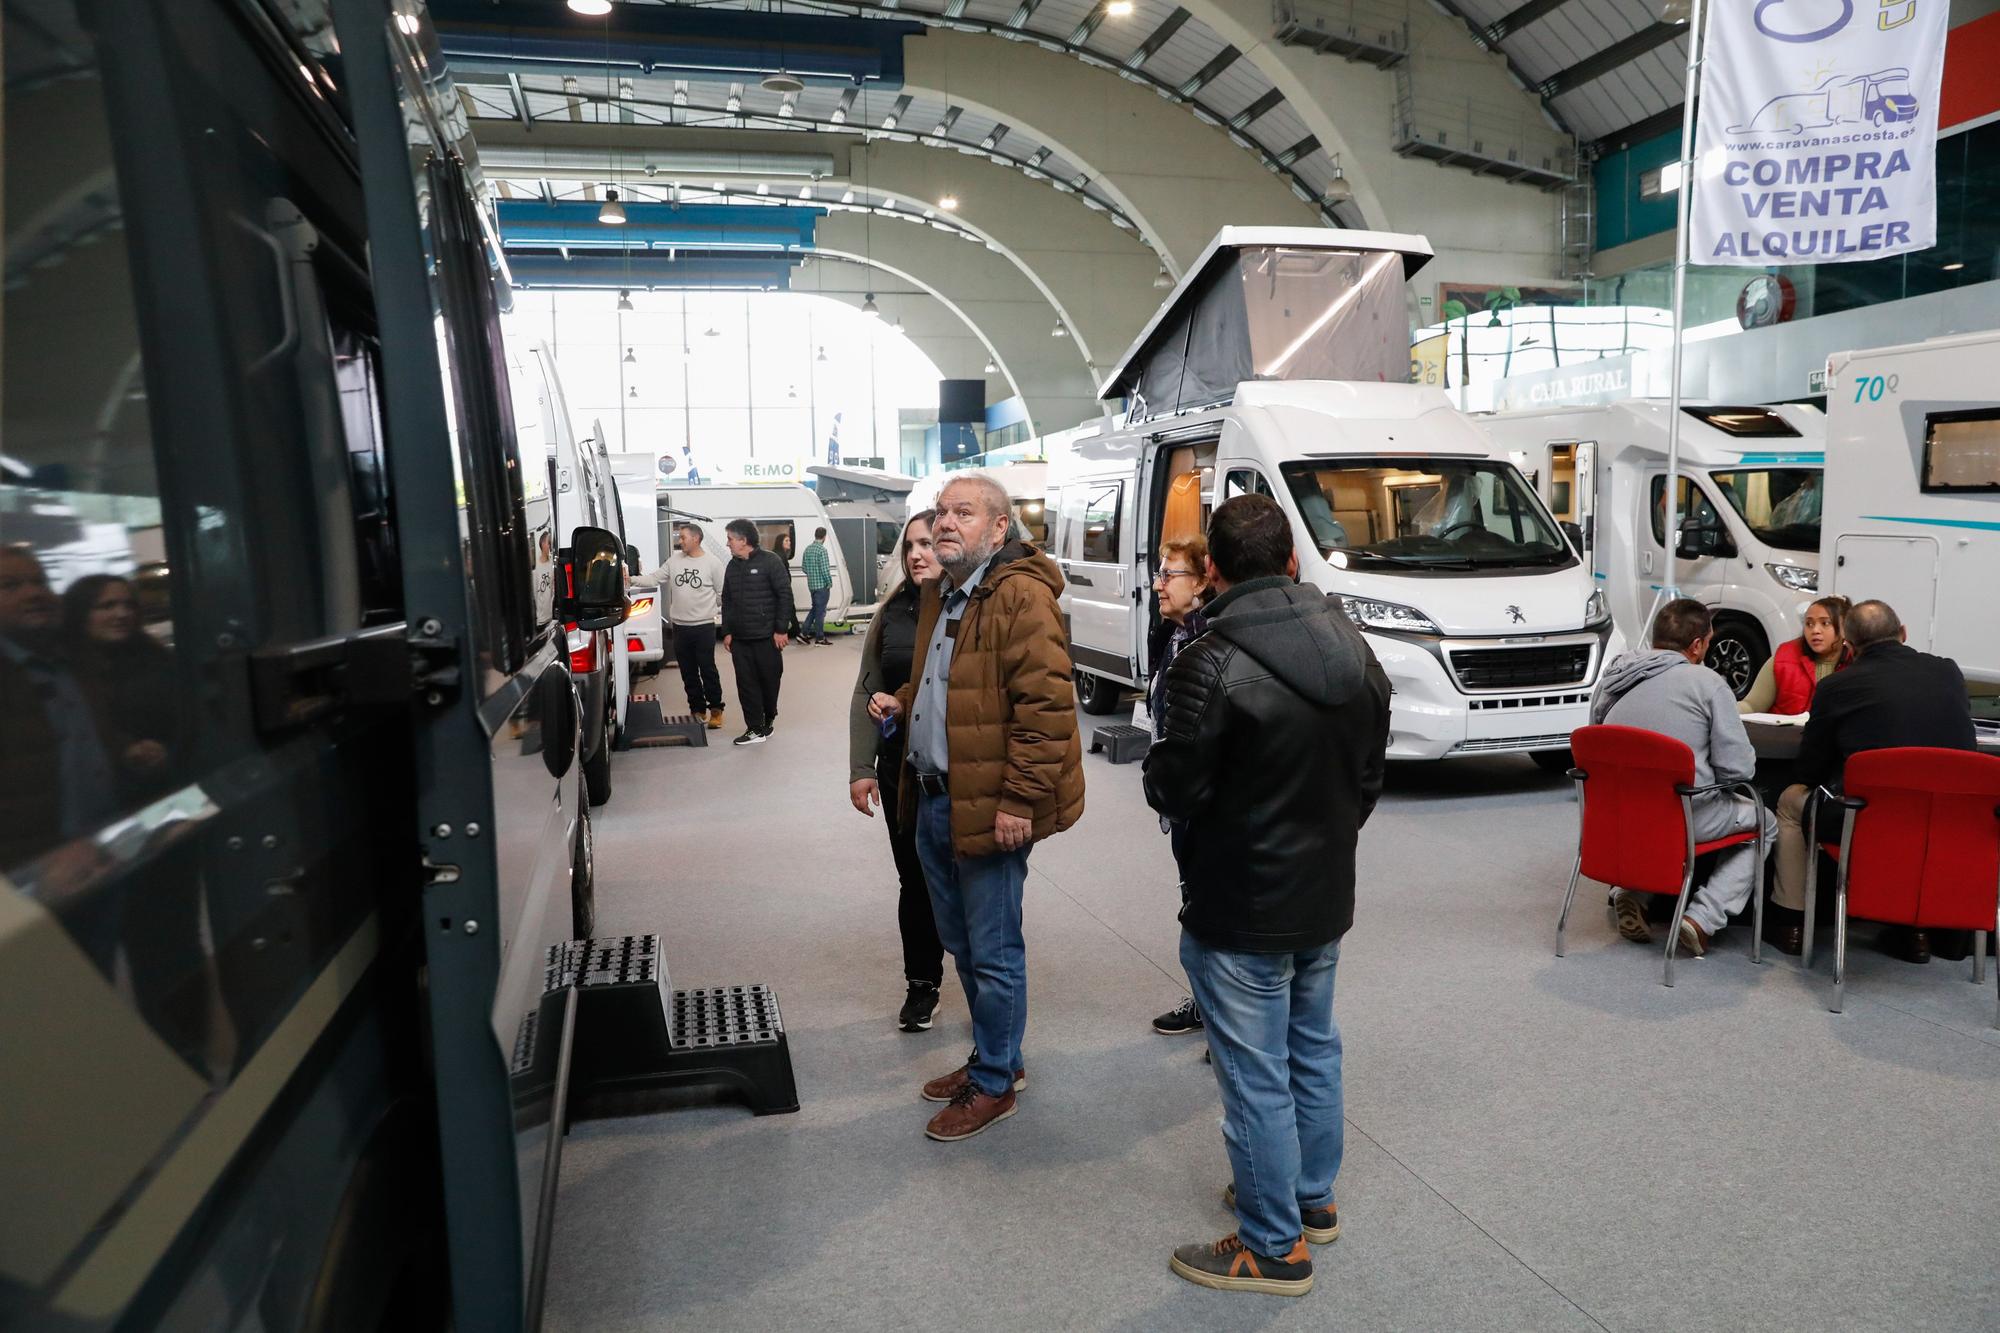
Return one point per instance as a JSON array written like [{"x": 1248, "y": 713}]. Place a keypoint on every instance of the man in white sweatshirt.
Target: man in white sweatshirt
[
  {"x": 1666, "y": 689},
  {"x": 692, "y": 582}
]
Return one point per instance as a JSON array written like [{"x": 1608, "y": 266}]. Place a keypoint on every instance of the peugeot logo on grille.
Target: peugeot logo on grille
[{"x": 1515, "y": 612}]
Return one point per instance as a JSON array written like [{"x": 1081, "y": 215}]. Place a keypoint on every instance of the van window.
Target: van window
[
  {"x": 1244, "y": 481},
  {"x": 1687, "y": 494},
  {"x": 1103, "y": 503},
  {"x": 780, "y": 536},
  {"x": 1961, "y": 452},
  {"x": 1433, "y": 513},
  {"x": 1781, "y": 505},
  {"x": 888, "y": 537}
]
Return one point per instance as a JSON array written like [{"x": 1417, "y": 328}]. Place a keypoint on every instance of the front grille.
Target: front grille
[
  {"x": 1521, "y": 668},
  {"x": 1527, "y": 701},
  {"x": 1498, "y": 744}
]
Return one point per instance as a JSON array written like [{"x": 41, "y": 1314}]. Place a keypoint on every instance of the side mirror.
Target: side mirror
[
  {"x": 1573, "y": 531},
  {"x": 1700, "y": 539},
  {"x": 632, "y": 559},
  {"x": 590, "y": 578}
]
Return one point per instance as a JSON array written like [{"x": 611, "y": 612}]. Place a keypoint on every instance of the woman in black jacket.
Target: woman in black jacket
[
  {"x": 874, "y": 760},
  {"x": 1181, "y": 583},
  {"x": 127, "y": 676}
]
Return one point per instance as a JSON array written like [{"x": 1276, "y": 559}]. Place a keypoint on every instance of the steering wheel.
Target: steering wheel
[{"x": 1445, "y": 535}]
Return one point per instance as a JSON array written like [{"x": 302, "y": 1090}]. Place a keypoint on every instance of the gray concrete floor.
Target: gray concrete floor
[{"x": 1533, "y": 1142}]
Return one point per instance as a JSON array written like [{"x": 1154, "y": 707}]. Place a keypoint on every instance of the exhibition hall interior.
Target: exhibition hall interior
[{"x": 1086, "y": 664}]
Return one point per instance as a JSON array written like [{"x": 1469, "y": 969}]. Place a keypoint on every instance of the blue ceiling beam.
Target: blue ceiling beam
[
  {"x": 512, "y": 37},
  {"x": 653, "y": 271},
  {"x": 531, "y": 222}
]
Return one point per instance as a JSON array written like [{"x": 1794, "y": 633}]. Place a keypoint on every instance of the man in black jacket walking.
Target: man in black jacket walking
[
  {"x": 1276, "y": 723},
  {"x": 756, "y": 611}
]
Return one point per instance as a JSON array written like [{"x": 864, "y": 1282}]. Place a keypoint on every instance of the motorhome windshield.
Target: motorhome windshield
[
  {"x": 1433, "y": 514},
  {"x": 1780, "y": 505}
]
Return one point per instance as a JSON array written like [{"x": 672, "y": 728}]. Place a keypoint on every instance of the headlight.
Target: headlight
[
  {"x": 1597, "y": 610},
  {"x": 1371, "y": 614},
  {"x": 1796, "y": 577}
]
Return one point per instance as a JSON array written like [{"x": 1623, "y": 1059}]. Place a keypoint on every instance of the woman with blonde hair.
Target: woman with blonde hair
[{"x": 1181, "y": 583}]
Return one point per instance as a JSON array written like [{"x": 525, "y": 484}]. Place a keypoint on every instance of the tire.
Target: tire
[
  {"x": 583, "y": 883},
  {"x": 597, "y": 771},
  {"x": 1737, "y": 654},
  {"x": 1097, "y": 695},
  {"x": 1553, "y": 761}
]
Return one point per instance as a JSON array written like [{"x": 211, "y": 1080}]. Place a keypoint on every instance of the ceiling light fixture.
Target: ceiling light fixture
[
  {"x": 595, "y": 9},
  {"x": 1677, "y": 11},
  {"x": 1163, "y": 279},
  {"x": 711, "y": 332},
  {"x": 630, "y": 359},
  {"x": 1119, "y": 9},
  {"x": 1059, "y": 331},
  {"x": 779, "y": 81},
  {"x": 624, "y": 300},
  {"x": 613, "y": 212},
  {"x": 868, "y": 306},
  {"x": 822, "y": 355},
  {"x": 949, "y": 202},
  {"x": 1954, "y": 266},
  {"x": 633, "y": 392},
  {"x": 991, "y": 368}
]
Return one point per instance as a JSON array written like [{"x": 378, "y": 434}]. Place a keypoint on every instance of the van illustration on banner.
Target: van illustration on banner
[{"x": 1881, "y": 98}]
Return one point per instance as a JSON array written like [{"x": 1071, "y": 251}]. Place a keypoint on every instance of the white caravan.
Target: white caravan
[
  {"x": 868, "y": 507},
  {"x": 1913, "y": 491},
  {"x": 1026, "y": 484},
  {"x": 1749, "y": 504},
  {"x": 784, "y": 515},
  {"x": 641, "y": 640},
  {"x": 1274, "y": 369}
]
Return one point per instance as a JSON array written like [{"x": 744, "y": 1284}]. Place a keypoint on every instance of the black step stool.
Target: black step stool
[
  {"x": 635, "y": 1035},
  {"x": 1123, "y": 744},
  {"x": 647, "y": 726}
]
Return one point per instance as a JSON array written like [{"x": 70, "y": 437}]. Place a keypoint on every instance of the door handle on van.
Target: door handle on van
[
  {"x": 296, "y": 684},
  {"x": 1081, "y": 581}
]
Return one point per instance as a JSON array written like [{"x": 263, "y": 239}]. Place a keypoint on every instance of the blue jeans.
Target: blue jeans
[
  {"x": 1277, "y": 1061},
  {"x": 977, "y": 902},
  {"x": 815, "y": 626}
]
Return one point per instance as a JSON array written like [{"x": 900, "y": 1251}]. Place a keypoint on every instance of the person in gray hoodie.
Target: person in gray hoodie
[
  {"x": 1666, "y": 689},
  {"x": 1271, "y": 755}
]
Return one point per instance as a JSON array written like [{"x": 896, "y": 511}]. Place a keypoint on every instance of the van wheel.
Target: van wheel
[
  {"x": 583, "y": 883},
  {"x": 597, "y": 772},
  {"x": 1736, "y": 654},
  {"x": 1097, "y": 694},
  {"x": 1553, "y": 761}
]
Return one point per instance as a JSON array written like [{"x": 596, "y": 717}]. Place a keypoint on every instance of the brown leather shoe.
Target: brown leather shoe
[
  {"x": 971, "y": 1112},
  {"x": 1912, "y": 946},
  {"x": 1694, "y": 940},
  {"x": 950, "y": 1085},
  {"x": 1786, "y": 939}
]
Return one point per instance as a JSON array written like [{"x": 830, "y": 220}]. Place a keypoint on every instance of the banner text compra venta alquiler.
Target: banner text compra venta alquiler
[{"x": 1777, "y": 188}]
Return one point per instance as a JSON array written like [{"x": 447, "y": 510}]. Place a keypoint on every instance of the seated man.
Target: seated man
[
  {"x": 1669, "y": 691},
  {"x": 1892, "y": 695}
]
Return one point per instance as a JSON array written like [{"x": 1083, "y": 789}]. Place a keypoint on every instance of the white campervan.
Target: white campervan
[
  {"x": 786, "y": 517},
  {"x": 868, "y": 507},
  {"x": 1749, "y": 504},
  {"x": 1913, "y": 491},
  {"x": 1272, "y": 369}
]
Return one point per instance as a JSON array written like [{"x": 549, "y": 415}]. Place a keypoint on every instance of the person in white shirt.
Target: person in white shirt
[{"x": 692, "y": 582}]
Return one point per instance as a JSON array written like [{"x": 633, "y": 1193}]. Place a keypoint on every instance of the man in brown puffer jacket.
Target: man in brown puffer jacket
[{"x": 992, "y": 765}]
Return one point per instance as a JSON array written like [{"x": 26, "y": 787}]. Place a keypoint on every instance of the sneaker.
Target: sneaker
[
  {"x": 1227, "y": 1266},
  {"x": 950, "y": 1085},
  {"x": 1183, "y": 1017},
  {"x": 753, "y": 737},
  {"x": 970, "y": 1112},
  {"x": 823, "y": 641},
  {"x": 1694, "y": 940},
  {"x": 918, "y": 1006},
  {"x": 715, "y": 719},
  {"x": 1630, "y": 910},
  {"x": 1322, "y": 1225}
]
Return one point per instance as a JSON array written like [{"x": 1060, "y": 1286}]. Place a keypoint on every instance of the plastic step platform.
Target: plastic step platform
[
  {"x": 647, "y": 726},
  {"x": 1122, "y": 743},
  {"x": 636, "y": 1035}
]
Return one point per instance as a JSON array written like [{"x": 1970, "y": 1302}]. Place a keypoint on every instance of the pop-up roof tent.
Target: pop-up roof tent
[
  {"x": 859, "y": 483},
  {"x": 1274, "y": 303}
]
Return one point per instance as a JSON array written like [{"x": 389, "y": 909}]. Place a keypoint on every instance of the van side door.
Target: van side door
[{"x": 1096, "y": 560}]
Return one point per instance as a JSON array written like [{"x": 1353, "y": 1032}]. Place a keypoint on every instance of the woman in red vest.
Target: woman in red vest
[{"x": 1785, "y": 684}]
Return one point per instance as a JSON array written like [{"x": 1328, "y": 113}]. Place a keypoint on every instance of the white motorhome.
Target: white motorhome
[
  {"x": 1749, "y": 501},
  {"x": 641, "y": 640},
  {"x": 1026, "y": 484},
  {"x": 786, "y": 517},
  {"x": 1913, "y": 491},
  {"x": 868, "y": 507},
  {"x": 1275, "y": 368}
]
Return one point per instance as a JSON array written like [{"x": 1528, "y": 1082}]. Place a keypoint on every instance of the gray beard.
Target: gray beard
[{"x": 961, "y": 570}]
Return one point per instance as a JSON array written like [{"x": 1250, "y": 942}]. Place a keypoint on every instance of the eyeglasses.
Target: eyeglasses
[{"x": 1169, "y": 575}]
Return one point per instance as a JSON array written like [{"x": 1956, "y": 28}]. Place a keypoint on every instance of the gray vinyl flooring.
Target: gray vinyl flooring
[{"x": 1533, "y": 1142}]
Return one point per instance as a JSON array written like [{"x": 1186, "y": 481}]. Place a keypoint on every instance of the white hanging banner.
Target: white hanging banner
[{"x": 1817, "y": 131}]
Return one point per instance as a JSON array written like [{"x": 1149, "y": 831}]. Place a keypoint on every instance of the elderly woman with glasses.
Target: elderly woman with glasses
[{"x": 1181, "y": 583}]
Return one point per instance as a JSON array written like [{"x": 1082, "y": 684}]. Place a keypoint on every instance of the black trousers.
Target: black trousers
[
  {"x": 694, "y": 649},
  {"x": 923, "y": 953},
  {"x": 759, "y": 668}
]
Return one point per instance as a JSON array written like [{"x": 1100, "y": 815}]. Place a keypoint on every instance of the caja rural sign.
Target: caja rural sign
[{"x": 1817, "y": 131}]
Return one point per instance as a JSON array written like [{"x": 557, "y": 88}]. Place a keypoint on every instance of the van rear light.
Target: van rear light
[
  {"x": 582, "y": 650},
  {"x": 639, "y": 606},
  {"x": 634, "y": 646}
]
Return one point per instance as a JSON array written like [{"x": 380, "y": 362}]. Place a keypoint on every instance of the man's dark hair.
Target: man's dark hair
[
  {"x": 1249, "y": 538},
  {"x": 1871, "y": 622},
  {"x": 1681, "y": 624},
  {"x": 819, "y": 534},
  {"x": 744, "y": 528}
]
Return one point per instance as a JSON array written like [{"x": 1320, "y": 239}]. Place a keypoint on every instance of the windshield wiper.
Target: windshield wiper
[{"x": 1408, "y": 562}]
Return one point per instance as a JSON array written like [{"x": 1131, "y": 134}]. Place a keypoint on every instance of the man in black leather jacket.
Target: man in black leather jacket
[{"x": 1276, "y": 723}]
